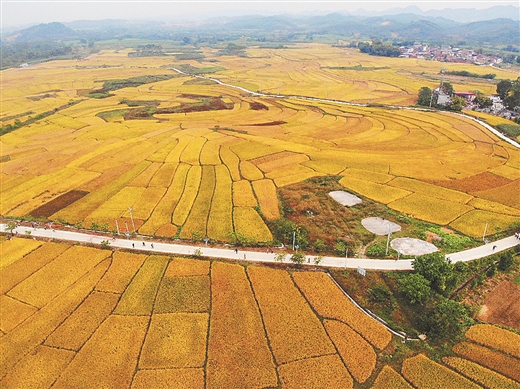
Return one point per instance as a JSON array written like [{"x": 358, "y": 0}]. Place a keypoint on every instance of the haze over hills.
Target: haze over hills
[{"x": 409, "y": 24}]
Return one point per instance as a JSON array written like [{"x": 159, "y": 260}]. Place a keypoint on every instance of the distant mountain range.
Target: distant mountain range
[
  {"x": 495, "y": 26},
  {"x": 461, "y": 15}
]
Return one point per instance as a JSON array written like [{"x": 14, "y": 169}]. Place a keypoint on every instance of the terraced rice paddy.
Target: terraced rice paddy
[
  {"x": 124, "y": 320},
  {"x": 214, "y": 171}
]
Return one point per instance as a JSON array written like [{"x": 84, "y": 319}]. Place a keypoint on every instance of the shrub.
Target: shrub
[{"x": 415, "y": 287}]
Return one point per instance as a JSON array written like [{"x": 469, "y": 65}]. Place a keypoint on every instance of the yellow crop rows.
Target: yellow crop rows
[
  {"x": 293, "y": 330},
  {"x": 238, "y": 355},
  {"x": 483, "y": 376},
  {"x": 393, "y": 156},
  {"x": 495, "y": 337},
  {"x": 501, "y": 363},
  {"x": 249, "y": 223},
  {"x": 330, "y": 302},
  {"x": 357, "y": 354},
  {"x": 166, "y": 344},
  {"x": 425, "y": 373},
  {"x": 15, "y": 249},
  {"x": 389, "y": 378},
  {"x": 265, "y": 191},
  {"x": 328, "y": 372},
  {"x": 429, "y": 208},
  {"x": 198, "y": 217},
  {"x": 137, "y": 321},
  {"x": 220, "y": 220}
]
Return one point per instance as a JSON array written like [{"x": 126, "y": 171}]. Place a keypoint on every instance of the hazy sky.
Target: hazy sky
[{"x": 26, "y": 12}]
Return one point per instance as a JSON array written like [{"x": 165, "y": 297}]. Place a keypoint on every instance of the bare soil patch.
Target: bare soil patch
[
  {"x": 380, "y": 226},
  {"x": 256, "y": 106},
  {"x": 412, "y": 246},
  {"x": 58, "y": 203},
  {"x": 478, "y": 182},
  {"x": 502, "y": 305}
]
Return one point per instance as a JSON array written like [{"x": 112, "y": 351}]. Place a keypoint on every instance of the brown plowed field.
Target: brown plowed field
[{"x": 502, "y": 305}]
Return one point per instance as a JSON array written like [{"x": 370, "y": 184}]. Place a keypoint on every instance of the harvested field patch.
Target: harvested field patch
[
  {"x": 357, "y": 354},
  {"x": 183, "y": 294},
  {"x": 82, "y": 323},
  {"x": 179, "y": 267},
  {"x": 293, "y": 330},
  {"x": 476, "y": 183},
  {"x": 53, "y": 206},
  {"x": 38, "y": 369},
  {"x": 501, "y": 363},
  {"x": 328, "y": 372},
  {"x": 503, "y": 305},
  {"x": 169, "y": 379},
  {"x": 506, "y": 194},
  {"x": 139, "y": 296},
  {"x": 238, "y": 354},
  {"x": 111, "y": 355},
  {"x": 176, "y": 340}
]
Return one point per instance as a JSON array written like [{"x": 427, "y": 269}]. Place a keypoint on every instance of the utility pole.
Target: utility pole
[
  {"x": 346, "y": 256},
  {"x": 278, "y": 88},
  {"x": 388, "y": 239},
  {"x": 293, "y": 239},
  {"x": 484, "y": 236},
  {"x": 117, "y": 226},
  {"x": 132, "y": 218}
]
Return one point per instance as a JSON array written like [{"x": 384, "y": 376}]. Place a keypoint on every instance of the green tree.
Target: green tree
[
  {"x": 425, "y": 95},
  {"x": 319, "y": 246},
  {"x": 298, "y": 258},
  {"x": 457, "y": 103},
  {"x": 512, "y": 101},
  {"x": 415, "y": 288},
  {"x": 279, "y": 257},
  {"x": 435, "y": 268},
  {"x": 447, "y": 88},
  {"x": 503, "y": 88},
  {"x": 482, "y": 101},
  {"x": 318, "y": 259},
  {"x": 10, "y": 227},
  {"x": 447, "y": 321},
  {"x": 506, "y": 261}
]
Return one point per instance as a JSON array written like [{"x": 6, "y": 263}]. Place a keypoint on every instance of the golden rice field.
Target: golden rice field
[
  {"x": 123, "y": 320},
  {"x": 214, "y": 172}
]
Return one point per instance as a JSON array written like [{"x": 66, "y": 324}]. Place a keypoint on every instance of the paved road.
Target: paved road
[{"x": 256, "y": 256}]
